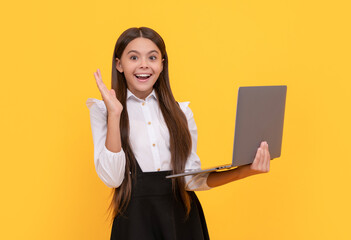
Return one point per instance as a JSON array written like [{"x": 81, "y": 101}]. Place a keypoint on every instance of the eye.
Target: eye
[
  {"x": 153, "y": 57},
  {"x": 133, "y": 57}
]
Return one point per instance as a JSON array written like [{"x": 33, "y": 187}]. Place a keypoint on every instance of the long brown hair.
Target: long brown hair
[{"x": 180, "y": 138}]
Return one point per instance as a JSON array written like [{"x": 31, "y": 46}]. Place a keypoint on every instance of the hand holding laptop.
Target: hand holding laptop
[
  {"x": 261, "y": 163},
  {"x": 259, "y": 121}
]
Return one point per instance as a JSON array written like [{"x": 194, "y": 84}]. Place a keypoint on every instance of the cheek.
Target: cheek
[
  {"x": 129, "y": 74},
  {"x": 158, "y": 67}
]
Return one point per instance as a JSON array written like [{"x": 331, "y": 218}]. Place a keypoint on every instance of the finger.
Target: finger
[
  {"x": 254, "y": 164},
  {"x": 113, "y": 93},
  {"x": 98, "y": 74},
  {"x": 264, "y": 159},
  {"x": 102, "y": 87},
  {"x": 268, "y": 158},
  {"x": 98, "y": 81},
  {"x": 261, "y": 159}
]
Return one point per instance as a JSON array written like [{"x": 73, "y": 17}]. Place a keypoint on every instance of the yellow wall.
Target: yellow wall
[{"x": 49, "y": 51}]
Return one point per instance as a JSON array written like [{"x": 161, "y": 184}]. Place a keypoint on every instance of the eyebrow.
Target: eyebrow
[{"x": 139, "y": 53}]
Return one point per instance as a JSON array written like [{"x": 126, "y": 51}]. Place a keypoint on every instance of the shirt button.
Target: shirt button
[
  {"x": 154, "y": 145},
  {"x": 149, "y": 123},
  {"x": 158, "y": 169},
  {"x": 143, "y": 104}
]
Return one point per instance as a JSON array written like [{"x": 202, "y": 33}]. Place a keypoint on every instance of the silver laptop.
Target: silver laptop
[{"x": 259, "y": 117}]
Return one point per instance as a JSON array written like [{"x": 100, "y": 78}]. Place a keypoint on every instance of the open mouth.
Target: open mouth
[{"x": 142, "y": 77}]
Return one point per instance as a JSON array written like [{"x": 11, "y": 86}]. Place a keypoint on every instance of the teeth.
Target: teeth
[{"x": 143, "y": 75}]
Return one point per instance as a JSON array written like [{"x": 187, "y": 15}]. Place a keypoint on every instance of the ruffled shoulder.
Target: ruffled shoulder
[
  {"x": 185, "y": 108},
  {"x": 183, "y": 105},
  {"x": 99, "y": 103}
]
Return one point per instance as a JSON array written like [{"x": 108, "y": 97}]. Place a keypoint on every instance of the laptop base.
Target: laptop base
[{"x": 192, "y": 172}]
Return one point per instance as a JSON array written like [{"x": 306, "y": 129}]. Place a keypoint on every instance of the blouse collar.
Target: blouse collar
[{"x": 152, "y": 94}]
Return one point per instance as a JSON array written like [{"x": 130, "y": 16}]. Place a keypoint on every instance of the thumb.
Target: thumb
[{"x": 112, "y": 92}]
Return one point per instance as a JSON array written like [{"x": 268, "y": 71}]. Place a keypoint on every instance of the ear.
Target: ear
[
  {"x": 162, "y": 64},
  {"x": 119, "y": 65}
]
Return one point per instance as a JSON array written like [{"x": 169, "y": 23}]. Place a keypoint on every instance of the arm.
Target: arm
[
  {"x": 261, "y": 164},
  {"x": 109, "y": 157},
  {"x": 113, "y": 136},
  {"x": 110, "y": 166},
  {"x": 114, "y": 109}
]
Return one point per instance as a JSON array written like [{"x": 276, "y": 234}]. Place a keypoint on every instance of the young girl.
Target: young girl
[{"x": 141, "y": 134}]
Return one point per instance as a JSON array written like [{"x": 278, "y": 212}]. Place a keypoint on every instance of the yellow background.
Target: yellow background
[{"x": 50, "y": 49}]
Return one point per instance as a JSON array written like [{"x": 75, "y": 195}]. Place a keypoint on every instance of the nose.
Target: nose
[{"x": 143, "y": 63}]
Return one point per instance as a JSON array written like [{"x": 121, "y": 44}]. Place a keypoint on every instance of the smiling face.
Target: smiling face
[{"x": 141, "y": 62}]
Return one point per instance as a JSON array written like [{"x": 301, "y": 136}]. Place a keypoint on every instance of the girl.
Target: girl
[{"x": 141, "y": 134}]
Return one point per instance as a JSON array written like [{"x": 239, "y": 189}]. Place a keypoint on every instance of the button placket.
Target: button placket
[{"x": 152, "y": 135}]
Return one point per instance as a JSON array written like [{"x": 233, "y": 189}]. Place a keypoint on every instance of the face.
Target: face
[{"x": 141, "y": 62}]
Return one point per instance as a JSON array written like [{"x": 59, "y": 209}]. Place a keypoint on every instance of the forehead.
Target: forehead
[{"x": 141, "y": 45}]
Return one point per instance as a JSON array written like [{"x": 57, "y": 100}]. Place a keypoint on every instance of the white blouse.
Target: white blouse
[{"x": 149, "y": 139}]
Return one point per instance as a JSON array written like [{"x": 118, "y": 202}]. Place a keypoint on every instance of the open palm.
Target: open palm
[{"x": 108, "y": 96}]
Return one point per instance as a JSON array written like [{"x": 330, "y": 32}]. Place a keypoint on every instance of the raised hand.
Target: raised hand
[
  {"x": 262, "y": 159},
  {"x": 108, "y": 96}
]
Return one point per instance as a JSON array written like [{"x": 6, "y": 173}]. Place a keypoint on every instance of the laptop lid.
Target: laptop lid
[{"x": 259, "y": 117}]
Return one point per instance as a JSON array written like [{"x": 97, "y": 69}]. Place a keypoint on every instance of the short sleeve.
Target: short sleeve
[
  {"x": 196, "y": 182},
  {"x": 109, "y": 166}
]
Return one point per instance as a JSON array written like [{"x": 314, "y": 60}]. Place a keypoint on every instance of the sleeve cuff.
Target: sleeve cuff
[
  {"x": 113, "y": 154},
  {"x": 197, "y": 182}
]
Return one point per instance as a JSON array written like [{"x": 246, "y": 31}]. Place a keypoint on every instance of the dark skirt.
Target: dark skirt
[{"x": 155, "y": 213}]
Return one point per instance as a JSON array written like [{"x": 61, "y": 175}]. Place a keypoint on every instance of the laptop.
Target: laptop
[{"x": 259, "y": 117}]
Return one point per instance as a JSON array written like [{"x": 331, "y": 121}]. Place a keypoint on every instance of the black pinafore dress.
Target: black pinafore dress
[{"x": 154, "y": 213}]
